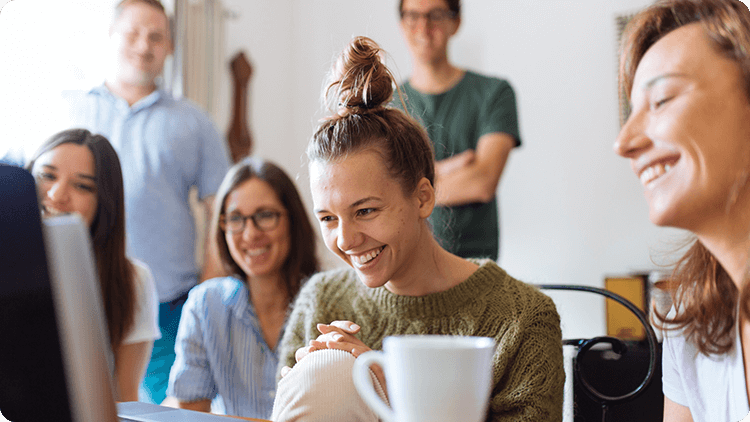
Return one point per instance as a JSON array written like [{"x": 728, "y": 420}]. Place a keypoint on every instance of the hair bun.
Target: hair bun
[{"x": 361, "y": 81}]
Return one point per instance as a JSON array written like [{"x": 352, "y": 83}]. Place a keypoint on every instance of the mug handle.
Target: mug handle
[{"x": 364, "y": 384}]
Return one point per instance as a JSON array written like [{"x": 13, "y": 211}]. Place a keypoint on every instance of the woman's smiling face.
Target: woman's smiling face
[
  {"x": 66, "y": 180},
  {"x": 688, "y": 136},
  {"x": 258, "y": 253},
  {"x": 364, "y": 216}
]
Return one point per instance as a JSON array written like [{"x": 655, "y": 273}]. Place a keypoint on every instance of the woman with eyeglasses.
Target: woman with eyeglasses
[
  {"x": 472, "y": 122},
  {"x": 230, "y": 327}
]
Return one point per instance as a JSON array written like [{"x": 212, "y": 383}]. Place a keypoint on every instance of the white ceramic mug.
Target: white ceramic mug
[{"x": 430, "y": 378}]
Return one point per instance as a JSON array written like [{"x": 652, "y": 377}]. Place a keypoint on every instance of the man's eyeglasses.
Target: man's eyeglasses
[
  {"x": 410, "y": 17},
  {"x": 262, "y": 220}
]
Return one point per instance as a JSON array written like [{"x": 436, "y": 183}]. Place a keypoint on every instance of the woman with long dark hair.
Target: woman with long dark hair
[
  {"x": 227, "y": 342},
  {"x": 79, "y": 172}
]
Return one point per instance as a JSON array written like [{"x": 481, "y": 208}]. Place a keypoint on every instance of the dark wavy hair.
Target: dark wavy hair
[
  {"x": 703, "y": 293},
  {"x": 115, "y": 271},
  {"x": 302, "y": 261}
]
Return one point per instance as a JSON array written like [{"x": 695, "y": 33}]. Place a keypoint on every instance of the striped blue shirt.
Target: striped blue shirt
[{"x": 221, "y": 352}]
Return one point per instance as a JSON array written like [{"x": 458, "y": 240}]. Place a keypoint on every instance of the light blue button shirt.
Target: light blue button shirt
[
  {"x": 221, "y": 352},
  {"x": 166, "y": 146}
]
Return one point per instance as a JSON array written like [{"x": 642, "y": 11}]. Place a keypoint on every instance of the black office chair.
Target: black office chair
[{"x": 618, "y": 346}]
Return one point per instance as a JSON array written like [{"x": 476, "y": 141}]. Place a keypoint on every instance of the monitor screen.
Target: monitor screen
[{"x": 55, "y": 361}]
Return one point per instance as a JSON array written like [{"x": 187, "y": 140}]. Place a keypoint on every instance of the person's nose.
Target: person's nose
[
  {"x": 250, "y": 231},
  {"x": 58, "y": 192},
  {"x": 422, "y": 24},
  {"x": 633, "y": 139},
  {"x": 142, "y": 44},
  {"x": 348, "y": 236}
]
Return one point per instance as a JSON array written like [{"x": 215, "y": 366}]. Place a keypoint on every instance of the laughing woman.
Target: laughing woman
[
  {"x": 79, "y": 172},
  {"x": 230, "y": 327},
  {"x": 686, "y": 70},
  {"x": 371, "y": 175}
]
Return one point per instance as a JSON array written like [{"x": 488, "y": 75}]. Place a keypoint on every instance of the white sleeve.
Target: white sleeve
[
  {"x": 672, "y": 348},
  {"x": 146, "y": 317}
]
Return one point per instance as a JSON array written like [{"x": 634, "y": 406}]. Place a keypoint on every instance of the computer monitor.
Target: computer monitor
[{"x": 55, "y": 360}]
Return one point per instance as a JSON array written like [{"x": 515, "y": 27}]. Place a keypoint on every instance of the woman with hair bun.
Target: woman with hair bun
[
  {"x": 372, "y": 171},
  {"x": 685, "y": 68}
]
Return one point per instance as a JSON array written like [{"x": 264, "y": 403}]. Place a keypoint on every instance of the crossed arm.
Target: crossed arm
[{"x": 473, "y": 176}]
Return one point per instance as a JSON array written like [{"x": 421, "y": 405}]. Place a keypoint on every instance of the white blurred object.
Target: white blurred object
[
  {"x": 199, "y": 53},
  {"x": 569, "y": 354},
  {"x": 80, "y": 318},
  {"x": 659, "y": 298}
]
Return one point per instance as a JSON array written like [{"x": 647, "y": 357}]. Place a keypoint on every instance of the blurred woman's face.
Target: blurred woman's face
[
  {"x": 688, "y": 136},
  {"x": 365, "y": 218},
  {"x": 66, "y": 180},
  {"x": 256, "y": 228}
]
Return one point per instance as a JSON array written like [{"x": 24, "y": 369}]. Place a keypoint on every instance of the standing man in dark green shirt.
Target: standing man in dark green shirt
[{"x": 472, "y": 122}]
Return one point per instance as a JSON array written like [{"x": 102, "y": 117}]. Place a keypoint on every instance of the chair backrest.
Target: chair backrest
[{"x": 574, "y": 351}]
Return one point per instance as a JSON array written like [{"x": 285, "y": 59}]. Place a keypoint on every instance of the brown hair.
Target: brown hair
[
  {"x": 116, "y": 273},
  {"x": 153, "y": 3},
  {"x": 453, "y": 5},
  {"x": 302, "y": 261},
  {"x": 704, "y": 294},
  {"x": 362, "y": 87}
]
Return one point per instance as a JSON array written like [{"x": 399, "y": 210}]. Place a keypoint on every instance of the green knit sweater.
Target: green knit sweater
[{"x": 528, "y": 364}]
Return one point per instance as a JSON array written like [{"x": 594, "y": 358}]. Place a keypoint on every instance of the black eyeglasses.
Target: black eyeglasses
[
  {"x": 262, "y": 220},
  {"x": 410, "y": 17}
]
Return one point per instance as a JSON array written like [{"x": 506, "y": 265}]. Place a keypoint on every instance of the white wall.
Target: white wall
[{"x": 571, "y": 210}]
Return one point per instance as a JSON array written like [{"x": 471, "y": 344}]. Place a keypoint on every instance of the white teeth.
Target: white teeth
[
  {"x": 259, "y": 251},
  {"x": 654, "y": 172},
  {"x": 360, "y": 260},
  {"x": 52, "y": 211}
]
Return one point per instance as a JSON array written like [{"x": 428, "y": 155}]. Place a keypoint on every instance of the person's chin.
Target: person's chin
[
  {"x": 663, "y": 216},
  {"x": 137, "y": 77},
  {"x": 371, "y": 281}
]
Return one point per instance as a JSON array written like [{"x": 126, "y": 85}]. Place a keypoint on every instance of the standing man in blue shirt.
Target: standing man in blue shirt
[{"x": 167, "y": 146}]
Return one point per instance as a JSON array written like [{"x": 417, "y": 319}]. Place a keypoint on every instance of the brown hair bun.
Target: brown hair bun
[{"x": 361, "y": 81}]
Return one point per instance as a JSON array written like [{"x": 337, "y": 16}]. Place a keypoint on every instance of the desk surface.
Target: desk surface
[{"x": 146, "y": 412}]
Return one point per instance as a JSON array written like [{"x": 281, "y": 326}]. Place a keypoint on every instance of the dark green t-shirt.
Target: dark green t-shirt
[{"x": 455, "y": 120}]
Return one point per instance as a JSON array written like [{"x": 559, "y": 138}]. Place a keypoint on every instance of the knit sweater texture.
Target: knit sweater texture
[{"x": 528, "y": 374}]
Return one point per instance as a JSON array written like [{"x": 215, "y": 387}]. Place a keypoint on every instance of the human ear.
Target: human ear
[
  {"x": 425, "y": 195},
  {"x": 457, "y": 25}
]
